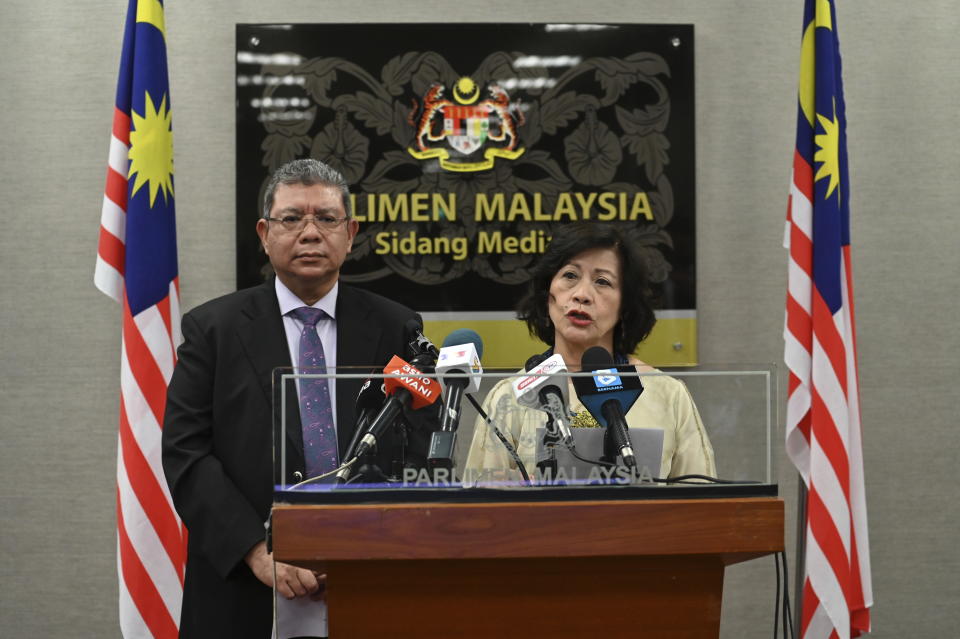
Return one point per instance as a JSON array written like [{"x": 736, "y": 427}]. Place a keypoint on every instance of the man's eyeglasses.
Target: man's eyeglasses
[{"x": 326, "y": 223}]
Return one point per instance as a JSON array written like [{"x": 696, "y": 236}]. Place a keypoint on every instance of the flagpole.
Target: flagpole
[{"x": 800, "y": 570}]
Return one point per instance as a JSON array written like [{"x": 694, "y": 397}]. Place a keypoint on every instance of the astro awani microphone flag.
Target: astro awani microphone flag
[
  {"x": 823, "y": 433},
  {"x": 137, "y": 266}
]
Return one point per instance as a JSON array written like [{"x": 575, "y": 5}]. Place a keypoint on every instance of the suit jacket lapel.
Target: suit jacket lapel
[{"x": 265, "y": 342}]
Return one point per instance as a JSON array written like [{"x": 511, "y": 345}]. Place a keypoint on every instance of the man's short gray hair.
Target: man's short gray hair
[{"x": 308, "y": 172}]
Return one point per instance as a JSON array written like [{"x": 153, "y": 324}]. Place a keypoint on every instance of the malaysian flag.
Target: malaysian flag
[
  {"x": 823, "y": 436},
  {"x": 137, "y": 266}
]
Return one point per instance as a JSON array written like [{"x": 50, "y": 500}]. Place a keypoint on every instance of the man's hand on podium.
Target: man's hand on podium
[{"x": 292, "y": 582}]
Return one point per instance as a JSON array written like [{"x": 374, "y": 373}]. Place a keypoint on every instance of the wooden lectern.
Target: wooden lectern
[{"x": 619, "y": 568}]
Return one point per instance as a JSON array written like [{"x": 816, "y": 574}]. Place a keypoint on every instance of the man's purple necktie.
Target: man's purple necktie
[{"x": 316, "y": 412}]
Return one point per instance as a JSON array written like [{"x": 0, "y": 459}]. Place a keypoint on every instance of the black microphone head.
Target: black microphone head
[
  {"x": 419, "y": 344},
  {"x": 412, "y": 327},
  {"x": 371, "y": 395},
  {"x": 596, "y": 358},
  {"x": 463, "y": 336},
  {"x": 534, "y": 361}
]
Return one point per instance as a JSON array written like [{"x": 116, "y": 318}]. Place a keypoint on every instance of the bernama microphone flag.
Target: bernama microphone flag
[
  {"x": 823, "y": 432},
  {"x": 137, "y": 266}
]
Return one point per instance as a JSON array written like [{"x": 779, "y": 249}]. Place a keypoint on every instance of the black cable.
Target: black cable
[
  {"x": 503, "y": 440},
  {"x": 781, "y": 611},
  {"x": 354, "y": 479},
  {"x": 679, "y": 479},
  {"x": 787, "y": 612},
  {"x": 776, "y": 601},
  {"x": 597, "y": 462},
  {"x": 684, "y": 479}
]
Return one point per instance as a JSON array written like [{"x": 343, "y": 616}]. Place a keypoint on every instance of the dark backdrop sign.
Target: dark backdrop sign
[{"x": 466, "y": 145}]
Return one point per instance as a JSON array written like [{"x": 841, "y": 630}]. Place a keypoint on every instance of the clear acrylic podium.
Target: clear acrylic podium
[{"x": 439, "y": 554}]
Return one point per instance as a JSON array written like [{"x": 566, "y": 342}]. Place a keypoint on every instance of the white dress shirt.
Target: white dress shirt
[{"x": 326, "y": 329}]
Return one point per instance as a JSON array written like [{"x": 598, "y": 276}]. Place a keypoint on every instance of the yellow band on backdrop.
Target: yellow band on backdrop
[{"x": 507, "y": 344}]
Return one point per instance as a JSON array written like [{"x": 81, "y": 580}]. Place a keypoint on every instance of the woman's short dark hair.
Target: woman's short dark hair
[{"x": 636, "y": 308}]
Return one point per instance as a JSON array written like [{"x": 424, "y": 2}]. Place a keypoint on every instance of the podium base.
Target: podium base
[{"x": 653, "y": 597}]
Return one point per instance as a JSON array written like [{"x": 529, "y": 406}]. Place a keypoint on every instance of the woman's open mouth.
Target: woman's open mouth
[{"x": 579, "y": 318}]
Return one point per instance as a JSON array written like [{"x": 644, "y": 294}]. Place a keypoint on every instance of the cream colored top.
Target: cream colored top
[{"x": 665, "y": 403}]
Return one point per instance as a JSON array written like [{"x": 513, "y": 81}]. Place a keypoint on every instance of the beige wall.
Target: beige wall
[{"x": 60, "y": 337}]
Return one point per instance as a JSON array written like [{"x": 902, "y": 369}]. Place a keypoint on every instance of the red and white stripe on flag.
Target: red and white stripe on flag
[
  {"x": 823, "y": 430},
  {"x": 136, "y": 265}
]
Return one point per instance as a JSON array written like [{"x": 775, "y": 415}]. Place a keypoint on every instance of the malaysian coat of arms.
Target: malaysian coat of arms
[{"x": 455, "y": 132}]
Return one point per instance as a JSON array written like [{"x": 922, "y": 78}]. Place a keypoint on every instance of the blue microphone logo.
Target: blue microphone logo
[{"x": 607, "y": 381}]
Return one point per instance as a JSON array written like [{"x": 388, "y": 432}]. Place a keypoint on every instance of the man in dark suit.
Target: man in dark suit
[{"x": 217, "y": 437}]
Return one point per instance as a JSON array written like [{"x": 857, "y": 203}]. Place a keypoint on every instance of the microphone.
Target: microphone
[
  {"x": 424, "y": 352},
  {"x": 458, "y": 368},
  {"x": 608, "y": 396},
  {"x": 459, "y": 371},
  {"x": 411, "y": 389},
  {"x": 545, "y": 388},
  {"x": 534, "y": 360},
  {"x": 369, "y": 401}
]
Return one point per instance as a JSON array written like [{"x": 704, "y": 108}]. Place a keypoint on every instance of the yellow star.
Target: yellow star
[
  {"x": 829, "y": 153},
  {"x": 151, "y": 150}
]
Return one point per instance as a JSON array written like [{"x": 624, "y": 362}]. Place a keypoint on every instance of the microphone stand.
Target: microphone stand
[
  {"x": 369, "y": 472},
  {"x": 610, "y": 451},
  {"x": 547, "y": 466},
  {"x": 398, "y": 463}
]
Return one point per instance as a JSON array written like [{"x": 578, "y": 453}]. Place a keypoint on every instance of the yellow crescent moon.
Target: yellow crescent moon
[
  {"x": 466, "y": 91},
  {"x": 808, "y": 60},
  {"x": 151, "y": 11},
  {"x": 807, "y": 74}
]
